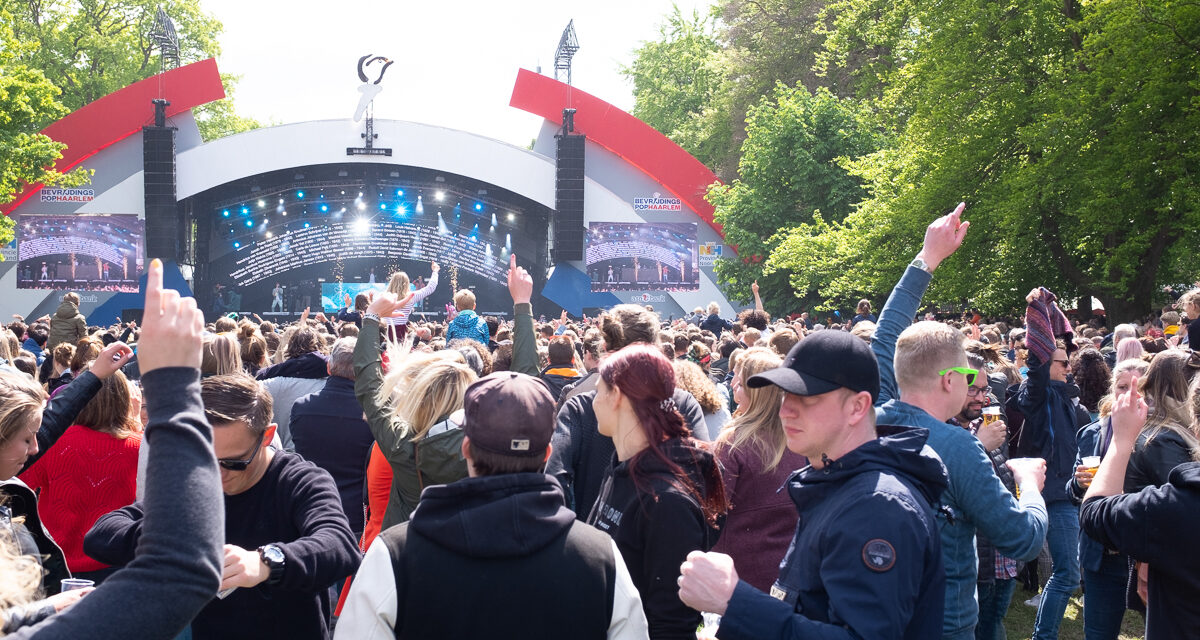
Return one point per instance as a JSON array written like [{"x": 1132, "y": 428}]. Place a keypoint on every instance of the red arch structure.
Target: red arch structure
[
  {"x": 619, "y": 132},
  {"x": 124, "y": 112}
]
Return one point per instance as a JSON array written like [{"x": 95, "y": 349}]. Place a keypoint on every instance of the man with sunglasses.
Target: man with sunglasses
[
  {"x": 286, "y": 537},
  {"x": 1046, "y": 400},
  {"x": 923, "y": 383}
]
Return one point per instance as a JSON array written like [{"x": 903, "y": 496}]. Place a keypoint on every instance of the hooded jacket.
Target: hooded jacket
[
  {"x": 490, "y": 546},
  {"x": 656, "y": 530},
  {"x": 716, "y": 324},
  {"x": 467, "y": 324},
  {"x": 289, "y": 381},
  {"x": 866, "y": 560},
  {"x": 434, "y": 459},
  {"x": 558, "y": 377},
  {"x": 66, "y": 325}
]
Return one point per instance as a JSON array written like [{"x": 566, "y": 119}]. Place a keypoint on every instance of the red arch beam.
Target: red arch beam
[
  {"x": 124, "y": 112},
  {"x": 633, "y": 140}
]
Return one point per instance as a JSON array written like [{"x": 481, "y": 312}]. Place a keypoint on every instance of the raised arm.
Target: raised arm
[
  {"x": 942, "y": 238},
  {"x": 520, "y": 286},
  {"x": 368, "y": 372}
]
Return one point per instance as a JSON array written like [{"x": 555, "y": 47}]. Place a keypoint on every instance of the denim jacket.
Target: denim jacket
[{"x": 975, "y": 499}]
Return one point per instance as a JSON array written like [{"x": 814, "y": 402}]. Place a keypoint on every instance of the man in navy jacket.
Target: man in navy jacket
[{"x": 866, "y": 559}]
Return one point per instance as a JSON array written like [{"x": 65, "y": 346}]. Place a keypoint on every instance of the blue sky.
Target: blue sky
[{"x": 455, "y": 60}]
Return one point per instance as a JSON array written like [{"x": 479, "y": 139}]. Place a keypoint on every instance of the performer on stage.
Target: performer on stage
[
  {"x": 277, "y": 298},
  {"x": 397, "y": 323},
  {"x": 611, "y": 279}
]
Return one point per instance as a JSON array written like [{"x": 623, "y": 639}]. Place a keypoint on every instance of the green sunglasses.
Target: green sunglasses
[{"x": 966, "y": 371}]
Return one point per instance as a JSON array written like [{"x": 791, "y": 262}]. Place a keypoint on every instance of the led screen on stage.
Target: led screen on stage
[
  {"x": 650, "y": 256},
  {"x": 79, "y": 252},
  {"x": 333, "y": 294},
  {"x": 382, "y": 240}
]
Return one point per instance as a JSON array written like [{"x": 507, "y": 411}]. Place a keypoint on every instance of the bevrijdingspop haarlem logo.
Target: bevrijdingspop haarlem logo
[{"x": 645, "y": 298}]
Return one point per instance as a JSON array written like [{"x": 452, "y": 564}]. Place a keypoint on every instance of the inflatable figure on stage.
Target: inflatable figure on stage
[
  {"x": 277, "y": 298},
  {"x": 369, "y": 89}
]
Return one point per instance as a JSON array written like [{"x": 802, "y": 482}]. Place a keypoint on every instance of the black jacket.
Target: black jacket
[
  {"x": 582, "y": 457},
  {"x": 490, "y": 546},
  {"x": 1158, "y": 526},
  {"x": 557, "y": 382},
  {"x": 656, "y": 530},
  {"x": 1050, "y": 426},
  {"x": 716, "y": 325},
  {"x": 328, "y": 429}
]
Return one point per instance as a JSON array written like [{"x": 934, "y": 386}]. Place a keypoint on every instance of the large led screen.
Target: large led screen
[
  {"x": 80, "y": 252},
  {"x": 650, "y": 256}
]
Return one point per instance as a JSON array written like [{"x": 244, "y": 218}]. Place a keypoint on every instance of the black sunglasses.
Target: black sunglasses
[{"x": 234, "y": 464}]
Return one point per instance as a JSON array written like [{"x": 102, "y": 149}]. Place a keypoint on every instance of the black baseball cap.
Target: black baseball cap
[
  {"x": 509, "y": 414},
  {"x": 822, "y": 362}
]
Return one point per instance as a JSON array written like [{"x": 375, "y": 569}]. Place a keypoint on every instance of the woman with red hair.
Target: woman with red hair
[{"x": 664, "y": 495}]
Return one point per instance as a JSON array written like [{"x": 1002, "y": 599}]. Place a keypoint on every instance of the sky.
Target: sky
[{"x": 455, "y": 61}]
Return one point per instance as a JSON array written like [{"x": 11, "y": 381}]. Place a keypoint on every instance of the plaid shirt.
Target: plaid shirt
[{"x": 1005, "y": 567}]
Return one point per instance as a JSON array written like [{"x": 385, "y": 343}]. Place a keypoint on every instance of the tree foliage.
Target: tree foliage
[
  {"x": 1068, "y": 128},
  {"x": 90, "y": 49},
  {"x": 677, "y": 86},
  {"x": 26, "y": 98},
  {"x": 791, "y": 174}
]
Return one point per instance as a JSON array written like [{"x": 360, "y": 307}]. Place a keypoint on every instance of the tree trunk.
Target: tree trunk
[{"x": 1120, "y": 310}]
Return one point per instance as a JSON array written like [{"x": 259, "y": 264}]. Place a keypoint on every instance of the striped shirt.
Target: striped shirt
[{"x": 401, "y": 317}]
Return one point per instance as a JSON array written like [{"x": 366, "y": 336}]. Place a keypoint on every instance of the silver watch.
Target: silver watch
[{"x": 919, "y": 263}]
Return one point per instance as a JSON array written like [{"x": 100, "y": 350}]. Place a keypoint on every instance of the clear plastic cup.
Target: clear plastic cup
[{"x": 71, "y": 584}]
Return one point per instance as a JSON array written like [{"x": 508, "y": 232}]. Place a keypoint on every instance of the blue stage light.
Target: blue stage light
[
  {"x": 237, "y": 245},
  {"x": 245, "y": 210},
  {"x": 225, "y": 213},
  {"x": 382, "y": 206},
  {"x": 479, "y": 206},
  {"x": 305, "y": 225},
  {"x": 300, "y": 194},
  {"x": 400, "y": 192},
  {"x": 250, "y": 222},
  {"x": 324, "y": 208}
]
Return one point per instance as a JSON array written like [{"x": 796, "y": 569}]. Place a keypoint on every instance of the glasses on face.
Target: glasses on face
[
  {"x": 976, "y": 392},
  {"x": 1062, "y": 362},
  {"x": 966, "y": 371},
  {"x": 234, "y": 464}
]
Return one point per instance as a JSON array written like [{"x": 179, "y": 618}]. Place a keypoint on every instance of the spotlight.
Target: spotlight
[
  {"x": 250, "y": 222},
  {"x": 400, "y": 192},
  {"x": 361, "y": 226},
  {"x": 281, "y": 201},
  {"x": 420, "y": 205},
  {"x": 283, "y": 213},
  {"x": 324, "y": 208},
  {"x": 261, "y": 204},
  {"x": 305, "y": 225},
  {"x": 361, "y": 205},
  {"x": 225, "y": 213},
  {"x": 512, "y": 216},
  {"x": 300, "y": 194},
  {"x": 270, "y": 235},
  {"x": 237, "y": 245},
  {"x": 440, "y": 195},
  {"x": 382, "y": 206},
  {"x": 245, "y": 210},
  {"x": 478, "y": 206},
  {"x": 493, "y": 220}
]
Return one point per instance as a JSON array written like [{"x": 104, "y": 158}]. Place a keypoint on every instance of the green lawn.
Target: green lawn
[{"x": 1019, "y": 622}]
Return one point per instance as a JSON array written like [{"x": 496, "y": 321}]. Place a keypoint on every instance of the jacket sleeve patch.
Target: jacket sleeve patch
[{"x": 879, "y": 555}]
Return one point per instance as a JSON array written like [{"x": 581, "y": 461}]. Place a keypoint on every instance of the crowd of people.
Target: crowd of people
[{"x": 368, "y": 475}]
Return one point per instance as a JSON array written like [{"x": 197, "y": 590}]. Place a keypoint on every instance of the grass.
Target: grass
[{"x": 1020, "y": 618}]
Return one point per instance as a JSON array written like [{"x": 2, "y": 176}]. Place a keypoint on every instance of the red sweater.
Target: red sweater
[{"x": 83, "y": 476}]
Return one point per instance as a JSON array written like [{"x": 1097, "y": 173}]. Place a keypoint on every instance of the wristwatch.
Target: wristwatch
[
  {"x": 371, "y": 316},
  {"x": 919, "y": 263},
  {"x": 272, "y": 556}
]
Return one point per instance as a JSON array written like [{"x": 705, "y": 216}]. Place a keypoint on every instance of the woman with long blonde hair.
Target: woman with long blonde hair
[
  {"x": 755, "y": 462},
  {"x": 410, "y": 412},
  {"x": 1168, "y": 439}
]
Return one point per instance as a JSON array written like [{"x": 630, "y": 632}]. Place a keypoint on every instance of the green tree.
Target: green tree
[
  {"x": 1067, "y": 127},
  {"x": 677, "y": 86},
  {"x": 791, "y": 173},
  {"x": 90, "y": 49},
  {"x": 26, "y": 98}
]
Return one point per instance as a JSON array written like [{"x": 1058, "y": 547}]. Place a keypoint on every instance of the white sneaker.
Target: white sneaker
[{"x": 1035, "y": 601}]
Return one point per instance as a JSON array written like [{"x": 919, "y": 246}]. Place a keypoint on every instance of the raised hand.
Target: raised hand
[
  {"x": 386, "y": 303},
  {"x": 433, "y": 267},
  {"x": 111, "y": 358},
  {"x": 754, "y": 287},
  {"x": 1129, "y": 414},
  {"x": 944, "y": 236},
  {"x": 520, "y": 283},
  {"x": 171, "y": 326}
]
